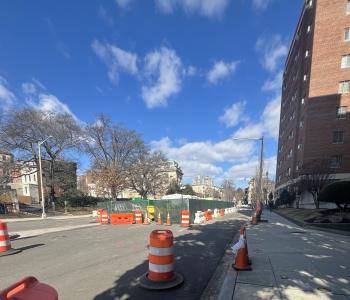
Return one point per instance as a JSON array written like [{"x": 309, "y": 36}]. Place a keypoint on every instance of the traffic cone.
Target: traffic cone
[
  {"x": 246, "y": 245},
  {"x": 5, "y": 243},
  {"x": 159, "y": 221},
  {"x": 146, "y": 220},
  {"x": 168, "y": 220}
]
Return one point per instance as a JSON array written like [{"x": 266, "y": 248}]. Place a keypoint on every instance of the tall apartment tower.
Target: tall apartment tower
[{"x": 315, "y": 107}]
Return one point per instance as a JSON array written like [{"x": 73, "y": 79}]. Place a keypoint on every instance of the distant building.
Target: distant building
[
  {"x": 173, "y": 172},
  {"x": 204, "y": 187},
  {"x": 253, "y": 189},
  {"x": 315, "y": 107}
]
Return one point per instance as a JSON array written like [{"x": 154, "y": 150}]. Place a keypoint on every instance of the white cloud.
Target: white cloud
[
  {"x": 205, "y": 8},
  {"x": 274, "y": 84},
  {"x": 50, "y": 103},
  {"x": 163, "y": 72},
  {"x": 246, "y": 170},
  {"x": 123, "y": 3},
  {"x": 28, "y": 88},
  {"x": 273, "y": 50},
  {"x": 260, "y": 5},
  {"x": 221, "y": 70},
  {"x": 268, "y": 125},
  {"x": 204, "y": 157},
  {"x": 233, "y": 114},
  {"x": 7, "y": 98},
  {"x": 116, "y": 59}
]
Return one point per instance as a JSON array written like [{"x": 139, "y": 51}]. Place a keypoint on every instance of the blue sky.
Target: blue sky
[{"x": 188, "y": 75}]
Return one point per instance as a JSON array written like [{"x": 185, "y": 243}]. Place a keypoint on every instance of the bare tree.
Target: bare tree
[
  {"x": 113, "y": 150},
  {"x": 314, "y": 176},
  {"x": 148, "y": 175},
  {"x": 228, "y": 189},
  {"x": 22, "y": 129}
]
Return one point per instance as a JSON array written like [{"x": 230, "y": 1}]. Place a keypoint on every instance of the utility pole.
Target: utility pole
[{"x": 261, "y": 192}]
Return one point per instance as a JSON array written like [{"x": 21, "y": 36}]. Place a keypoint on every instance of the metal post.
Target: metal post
[
  {"x": 261, "y": 169},
  {"x": 43, "y": 215}
]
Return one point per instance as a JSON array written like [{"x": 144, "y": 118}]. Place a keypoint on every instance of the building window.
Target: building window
[
  {"x": 303, "y": 101},
  {"x": 345, "y": 61},
  {"x": 301, "y": 124},
  {"x": 34, "y": 177},
  {"x": 347, "y": 34},
  {"x": 306, "y": 53},
  {"x": 341, "y": 112},
  {"x": 308, "y": 29},
  {"x": 305, "y": 77},
  {"x": 309, "y": 3},
  {"x": 344, "y": 87},
  {"x": 338, "y": 137},
  {"x": 299, "y": 146},
  {"x": 335, "y": 161},
  {"x": 289, "y": 171},
  {"x": 348, "y": 7},
  {"x": 26, "y": 190}
]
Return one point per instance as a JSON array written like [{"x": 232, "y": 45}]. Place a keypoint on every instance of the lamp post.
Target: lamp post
[
  {"x": 261, "y": 160},
  {"x": 43, "y": 215}
]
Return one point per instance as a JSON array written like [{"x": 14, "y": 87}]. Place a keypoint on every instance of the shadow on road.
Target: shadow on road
[
  {"x": 197, "y": 254},
  {"x": 30, "y": 247}
]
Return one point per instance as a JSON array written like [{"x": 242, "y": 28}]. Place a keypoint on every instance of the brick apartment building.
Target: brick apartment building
[{"x": 315, "y": 107}]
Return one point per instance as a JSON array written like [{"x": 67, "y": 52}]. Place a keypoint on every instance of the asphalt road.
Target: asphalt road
[{"x": 104, "y": 262}]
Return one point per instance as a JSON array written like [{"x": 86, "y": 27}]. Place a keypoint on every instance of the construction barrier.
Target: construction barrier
[
  {"x": 185, "y": 218},
  {"x": 138, "y": 216},
  {"x": 104, "y": 217},
  {"x": 117, "y": 219},
  {"x": 99, "y": 215},
  {"x": 161, "y": 274},
  {"x": 254, "y": 220},
  {"x": 146, "y": 220},
  {"x": 5, "y": 243},
  {"x": 216, "y": 213},
  {"x": 29, "y": 289},
  {"x": 199, "y": 218}
]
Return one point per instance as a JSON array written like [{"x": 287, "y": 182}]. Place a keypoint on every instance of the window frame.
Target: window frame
[
  {"x": 341, "y": 86},
  {"x": 347, "y": 32},
  {"x": 338, "y": 137},
  {"x": 345, "y": 61},
  {"x": 335, "y": 159},
  {"x": 341, "y": 115}
]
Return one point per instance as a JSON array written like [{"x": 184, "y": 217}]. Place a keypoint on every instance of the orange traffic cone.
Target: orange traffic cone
[
  {"x": 246, "y": 244},
  {"x": 159, "y": 221},
  {"x": 242, "y": 260},
  {"x": 168, "y": 220},
  {"x": 146, "y": 220},
  {"x": 5, "y": 243}
]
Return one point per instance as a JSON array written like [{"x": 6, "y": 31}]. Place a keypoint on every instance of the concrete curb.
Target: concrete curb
[
  {"x": 40, "y": 219},
  {"x": 222, "y": 282},
  {"x": 309, "y": 226}
]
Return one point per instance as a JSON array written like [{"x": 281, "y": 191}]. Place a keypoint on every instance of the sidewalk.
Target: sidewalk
[
  {"x": 290, "y": 262},
  {"x": 12, "y": 220}
]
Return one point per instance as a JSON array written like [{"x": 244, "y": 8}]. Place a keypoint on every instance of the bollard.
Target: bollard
[
  {"x": 138, "y": 216},
  {"x": 185, "y": 218}
]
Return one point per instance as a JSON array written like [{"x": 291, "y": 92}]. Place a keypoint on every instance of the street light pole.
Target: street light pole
[
  {"x": 43, "y": 215},
  {"x": 260, "y": 189}
]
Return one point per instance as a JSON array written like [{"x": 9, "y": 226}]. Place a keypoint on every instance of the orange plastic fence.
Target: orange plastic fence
[
  {"x": 126, "y": 218},
  {"x": 29, "y": 288}
]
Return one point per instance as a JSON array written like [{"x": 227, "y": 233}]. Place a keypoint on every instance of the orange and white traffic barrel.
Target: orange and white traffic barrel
[
  {"x": 5, "y": 243},
  {"x": 138, "y": 216},
  {"x": 29, "y": 288},
  {"x": 185, "y": 218},
  {"x": 161, "y": 274},
  {"x": 104, "y": 217},
  {"x": 99, "y": 215}
]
